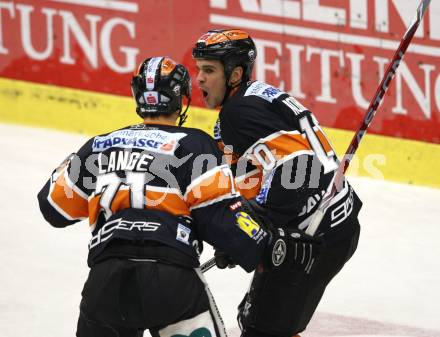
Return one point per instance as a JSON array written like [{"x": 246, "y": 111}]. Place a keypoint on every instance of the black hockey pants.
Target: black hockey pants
[
  {"x": 122, "y": 298},
  {"x": 280, "y": 304}
]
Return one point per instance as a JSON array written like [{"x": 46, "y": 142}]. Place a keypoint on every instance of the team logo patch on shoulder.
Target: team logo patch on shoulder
[
  {"x": 151, "y": 140},
  {"x": 263, "y": 90}
]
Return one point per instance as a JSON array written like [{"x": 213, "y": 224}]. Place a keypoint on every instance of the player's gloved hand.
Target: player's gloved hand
[
  {"x": 223, "y": 260},
  {"x": 293, "y": 249}
]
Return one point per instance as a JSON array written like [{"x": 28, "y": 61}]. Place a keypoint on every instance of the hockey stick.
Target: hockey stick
[
  {"x": 208, "y": 265},
  {"x": 371, "y": 112}
]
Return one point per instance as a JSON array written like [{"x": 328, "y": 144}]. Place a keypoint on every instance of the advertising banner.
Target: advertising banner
[{"x": 329, "y": 54}]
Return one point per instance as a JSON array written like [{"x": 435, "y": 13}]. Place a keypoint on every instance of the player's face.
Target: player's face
[{"x": 211, "y": 80}]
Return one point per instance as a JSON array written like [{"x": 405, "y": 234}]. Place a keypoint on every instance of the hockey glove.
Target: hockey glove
[
  {"x": 293, "y": 249},
  {"x": 256, "y": 212},
  {"x": 223, "y": 260}
]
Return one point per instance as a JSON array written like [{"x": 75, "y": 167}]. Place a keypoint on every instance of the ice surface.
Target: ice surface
[{"x": 391, "y": 287}]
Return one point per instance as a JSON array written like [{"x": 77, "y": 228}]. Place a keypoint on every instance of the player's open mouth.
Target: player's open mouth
[{"x": 205, "y": 93}]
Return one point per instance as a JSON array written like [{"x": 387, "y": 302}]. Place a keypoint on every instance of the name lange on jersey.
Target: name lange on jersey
[{"x": 124, "y": 160}]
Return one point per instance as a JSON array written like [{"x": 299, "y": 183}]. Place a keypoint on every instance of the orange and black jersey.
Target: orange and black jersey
[
  {"x": 285, "y": 160},
  {"x": 153, "y": 191}
]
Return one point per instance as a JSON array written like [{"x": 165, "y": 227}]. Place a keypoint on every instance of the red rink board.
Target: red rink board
[{"x": 330, "y": 54}]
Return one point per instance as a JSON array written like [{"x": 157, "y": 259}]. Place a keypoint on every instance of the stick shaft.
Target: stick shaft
[
  {"x": 336, "y": 185},
  {"x": 208, "y": 265}
]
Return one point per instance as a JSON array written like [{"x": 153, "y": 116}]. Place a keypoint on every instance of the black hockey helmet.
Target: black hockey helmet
[
  {"x": 233, "y": 47},
  {"x": 159, "y": 86}
]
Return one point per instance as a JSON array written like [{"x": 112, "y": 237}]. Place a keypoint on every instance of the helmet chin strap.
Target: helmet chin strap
[
  {"x": 227, "y": 93},
  {"x": 228, "y": 90},
  {"x": 183, "y": 115},
  {"x": 230, "y": 87}
]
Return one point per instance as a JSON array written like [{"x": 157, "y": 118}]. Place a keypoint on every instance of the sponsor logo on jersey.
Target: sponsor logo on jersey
[
  {"x": 249, "y": 226},
  {"x": 152, "y": 140},
  {"x": 261, "y": 197},
  {"x": 183, "y": 233},
  {"x": 263, "y": 90},
  {"x": 107, "y": 231},
  {"x": 235, "y": 205}
]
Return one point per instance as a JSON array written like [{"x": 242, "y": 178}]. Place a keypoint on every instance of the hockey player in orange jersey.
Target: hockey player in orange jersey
[{"x": 282, "y": 160}]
